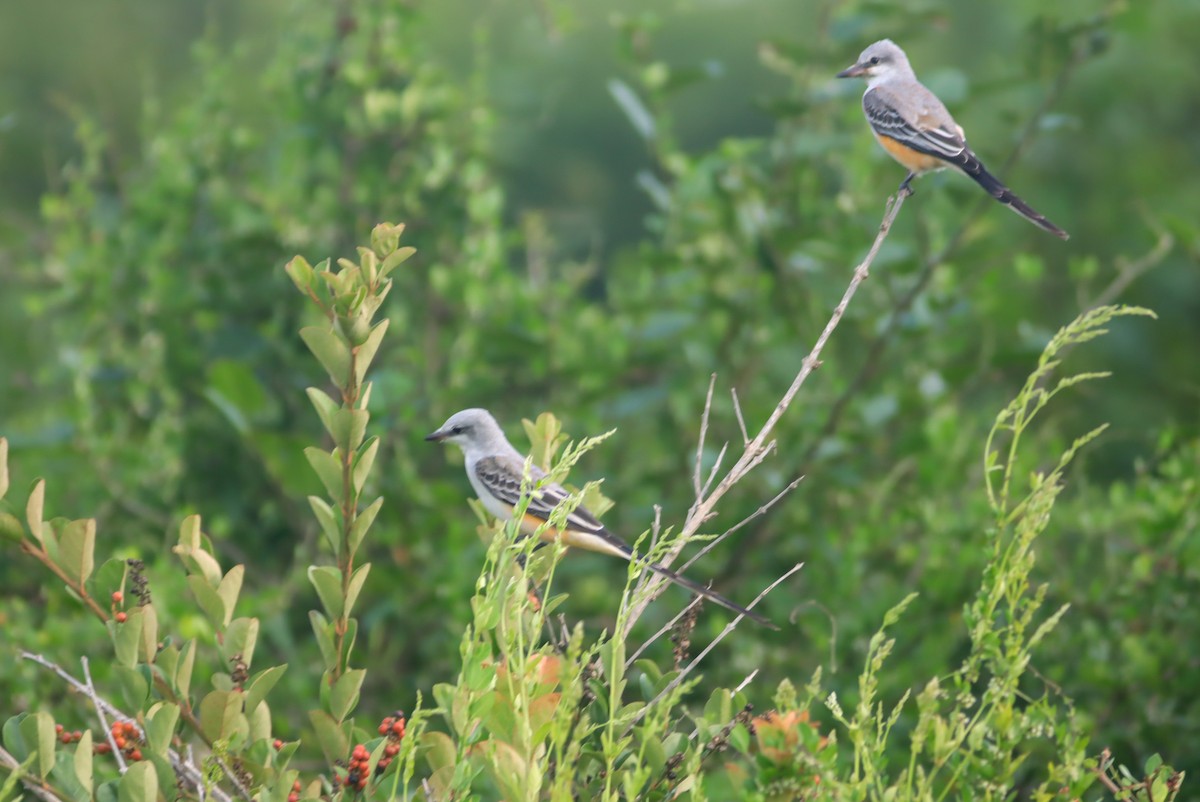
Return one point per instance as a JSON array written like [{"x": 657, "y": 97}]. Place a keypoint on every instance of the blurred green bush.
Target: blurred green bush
[{"x": 151, "y": 367}]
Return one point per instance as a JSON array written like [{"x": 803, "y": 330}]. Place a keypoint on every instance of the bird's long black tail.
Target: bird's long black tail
[
  {"x": 975, "y": 169},
  {"x": 707, "y": 593}
]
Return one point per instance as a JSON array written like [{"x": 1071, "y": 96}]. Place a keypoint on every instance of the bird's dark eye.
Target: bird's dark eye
[
  {"x": 459, "y": 429},
  {"x": 874, "y": 59}
]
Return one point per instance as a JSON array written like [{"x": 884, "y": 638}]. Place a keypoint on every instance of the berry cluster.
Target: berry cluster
[
  {"x": 359, "y": 770},
  {"x": 67, "y": 736},
  {"x": 393, "y": 728},
  {"x": 294, "y": 796},
  {"x": 126, "y": 736}
]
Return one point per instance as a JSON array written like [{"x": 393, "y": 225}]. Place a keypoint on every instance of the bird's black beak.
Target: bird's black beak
[
  {"x": 851, "y": 72},
  {"x": 436, "y": 437}
]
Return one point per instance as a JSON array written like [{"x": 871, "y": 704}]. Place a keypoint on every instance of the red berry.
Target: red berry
[
  {"x": 118, "y": 597},
  {"x": 360, "y": 752},
  {"x": 384, "y": 727},
  {"x": 391, "y": 750},
  {"x": 65, "y": 737},
  {"x": 278, "y": 744},
  {"x": 75, "y": 736},
  {"x": 398, "y": 728},
  {"x": 121, "y": 617},
  {"x": 136, "y": 754},
  {"x": 296, "y": 785},
  {"x": 101, "y": 749},
  {"x": 119, "y": 740},
  {"x": 293, "y": 797},
  {"x": 58, "y": 728}
]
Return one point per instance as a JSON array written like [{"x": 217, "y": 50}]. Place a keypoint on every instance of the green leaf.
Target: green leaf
[
  {"x": 259, "y": 723},
  {"x": 259, "y": 685},
  {"x": 334, "y": 741},
  {"x": 207, "y": 566},
  {"x": 81, "y": 764},
  {"x": 326, "y": 407},
  {"x": 189, "y": 533},
  {"x": 344, "y": 696},
  {"x": 108, "y": 577},
  {"x": 241, "y": 636},
  {"x": 324, "y": 635},
  {"x": 34, "y": 510},
  {"x": 230, "y": 587},
  {"x": 362, "y": 465},
  {"x": 330, "y": 521},
  {"x": 355, "y": 587},
  {"x": 134, "y": 686},
  {"x": 301, "y": 273},
  {"x": 218, "y": 713},
  {"x": 139, "y": 783},
  {"x": 77, "y": 549},
  {"x": 14, "y": 739},
  {"x": 149, "y": 633},
  {"x": 328, "y": 470},
  {"x": 348, "y": 639},
  {"x": 348, "y": 429},
  {"x": 366, "y": 351},
  {"x": 160, "y": 726},
  {"x": 126, "y": 638},
  {"x": 394, "y": 259},
  {"x": 38, "y": 731},
  {"x": 330, "y": 350},
  {"x": 328, "y": 582},
  {"x": 183, "y": 674},
  {"x": 210, "y": 601},
  {"x": 362, "y": 523}
]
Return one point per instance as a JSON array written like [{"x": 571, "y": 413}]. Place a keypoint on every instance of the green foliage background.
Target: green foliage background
[{"x": 610, "y": 205}]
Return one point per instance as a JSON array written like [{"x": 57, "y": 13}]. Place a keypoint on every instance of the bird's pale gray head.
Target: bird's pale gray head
[
  {"x": 471, "y": 430},
  {"x": 878, "y": 61}
]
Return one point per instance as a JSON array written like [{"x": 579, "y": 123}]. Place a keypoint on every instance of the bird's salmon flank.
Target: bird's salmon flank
[
  {"x": 914, "y": 127},
  {"x": 501, "y": 477}
]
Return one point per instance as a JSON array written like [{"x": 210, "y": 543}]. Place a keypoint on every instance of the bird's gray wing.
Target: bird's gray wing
[
  {"x": 921, "y": 123},
  {"x": 502, "y": 477}
]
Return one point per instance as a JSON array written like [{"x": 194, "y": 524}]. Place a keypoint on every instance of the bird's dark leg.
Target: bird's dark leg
[{"x": 905, "y": 187}]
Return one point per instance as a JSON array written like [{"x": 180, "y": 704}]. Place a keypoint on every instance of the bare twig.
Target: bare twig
[
  {"x": 741, "y": 686},
  {"x": 737, "y": 411},
  {"x": 91, "y": 692},
  {"x": 667, "y": 627},
  {"x": 36, "y": 788},
  {"x": 712, "y": 380},
  {"x": 683, "y": 674},
  {"x": 756, "y": 514},
  {"x": 185, "y": 768},
  {"x": 1128, "y": 272},
  {"x": 759, "y": 447}
]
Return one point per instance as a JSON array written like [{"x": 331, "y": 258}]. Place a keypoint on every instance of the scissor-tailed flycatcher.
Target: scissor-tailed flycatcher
[
  {"x": 496, "y": 471},
  {"x": 914, "y": 127}
]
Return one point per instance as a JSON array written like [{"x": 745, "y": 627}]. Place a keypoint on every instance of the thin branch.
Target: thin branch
[
  {"x": 1128, "y": 272},
  {"x": 884, "y": 337},
  {"x": 185, "y": 769},
  {"x": 91, "y": 692},
  {"x": 667, "y": 627},
  {"x": 741, "y": 686},
  {"x": 759, "y": 447},
  {"x": 737, "y": 410},
  {"x": 712, "y": 380},
  {"x": 756, "y": 514},
  {"x": 34, "y": 787},
  {"x": 686, "y": 670}
]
